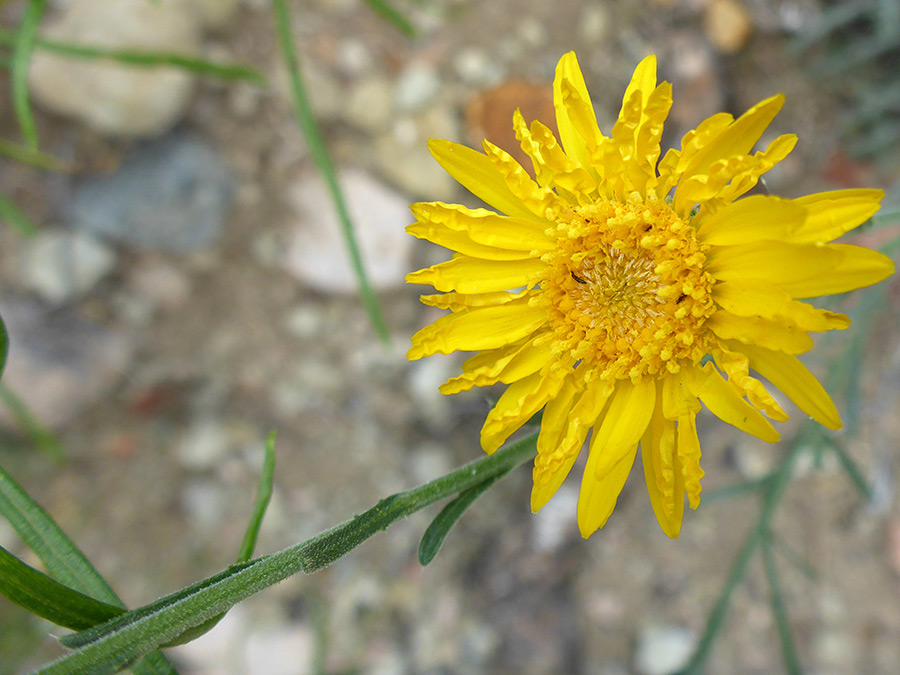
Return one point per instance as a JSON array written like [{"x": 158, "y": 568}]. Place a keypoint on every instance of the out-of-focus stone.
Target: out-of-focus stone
[
  {"x": 172, "y": 194},
  {"x": 728, "y": 25},
  {"x": 476, "y": 68},
  {"x": 59, "y": 363},
  {"x": 62, "y": 266},
  {"x": 416, "y": 87},
  {"x": 316, "y": 252},
  {"x": 109, "y": 97},
  {"x": 369, "y": 104},
  {"x": 662, "y": 649}
]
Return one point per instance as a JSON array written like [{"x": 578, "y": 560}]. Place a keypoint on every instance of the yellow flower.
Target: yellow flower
[{"x": 618, "y": 292}]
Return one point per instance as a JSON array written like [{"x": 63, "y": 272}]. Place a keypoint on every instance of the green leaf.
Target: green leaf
[
  {"x": 49, "y": 599},
  {"x": 14, "y": 217},
  {"x": 4, "y": 345},
  {"x": 310, "y": 128},
  {"x": 263, "y": 496},
  {"x": 109, "y": 646},
  {"x": 389, "y": 13},
  {"x": 63, "y": 559},
  {"x": 436, "y": 533},
  {"x": 791, "y": 660},
  {"x": 21, "y": 59},
  {"x": 36, "y": 158},
  {"x": 145, "y": 59},
  {"x": 40, "y": 435}
]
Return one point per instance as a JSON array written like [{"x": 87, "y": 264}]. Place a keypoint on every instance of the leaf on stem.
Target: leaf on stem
[{"x": 440, "y": 526}]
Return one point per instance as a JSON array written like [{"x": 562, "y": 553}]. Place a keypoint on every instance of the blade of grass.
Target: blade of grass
[
  {"x": 4, "y": 345},
  {"x": 439, "y": 528},
  {"x": 139, "y": 58},
  {"x": 41, "y": 436},
  {"x": 63, "y": 559},
  {"x": 789, "y": 554},
  {"x": 21, "y": 58},
  {"x": 791, "y": 660},
  {"x": 263, "y": 496},
  {"x": 36, "y": 158},
  {"x": 107, "y": 647},
  {"x": 47, "y": 598},
  {"x": 384, "y": 9},
  {"x": 310, "y": 128}
]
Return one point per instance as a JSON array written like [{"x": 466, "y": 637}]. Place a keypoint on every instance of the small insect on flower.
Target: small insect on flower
[{"x": 618, "y": 291}]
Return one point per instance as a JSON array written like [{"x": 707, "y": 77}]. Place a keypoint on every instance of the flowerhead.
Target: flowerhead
[{"x": 618, "y": 291}]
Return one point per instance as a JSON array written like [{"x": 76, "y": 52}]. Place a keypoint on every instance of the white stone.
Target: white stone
[
  {"x": 112, "y": 98},
  {"x": 204, "y": 444},
  {"x": 280, "y": 651},
  {"x": 369, "y": 104},
  {"x": 477, "y": 69},
  {"x": 663, "y": 649},
  {"x": 416, "y": 87},
  {"x": 214, "y": 14},
  {"x": 61, "y": 266},
  {"x": 316, "y": 251}
]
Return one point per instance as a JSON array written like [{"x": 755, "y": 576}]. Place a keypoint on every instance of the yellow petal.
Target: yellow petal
[
  {"x": 474, "y": 275},
  {"x": 726, "y": 403},
  {"x": 612, "y": 452},
  {"x": 831, "y": 214},
  {"x": 761, "y": 162},
  {"x": 536, "y": 198},
  {"x": 750, "y": 219},
  {"x": 506, "y": 364},
  {"x": 665, "y": 484},
  {"x": 457, "y": 302},
  {"x": 756, "y": 298},
  {"x": 599, "y": 495},
  {"x": 753, "y": 330},
  {"x": 793, "y": 378},
  {"x": 461, "y": 242},
  {"x": 689, "y": 458},
  {"x": 643, "y": 80},
  {"x": 552, "y": 466},
  {"x": 803, "y": 270},
  {"x": 738, "y": 138},
  {"x": 517, "y": 405},
  {"x": 568, "y": 69},
  {"x": 477, "y": 174},
  {"x": 737, "y": 366},
  {"x": 484, "y": 228},
  {"x": 481, "y": 328},
  {"x": 675, "y": 162},
  {"x": 677, "y": 399}
]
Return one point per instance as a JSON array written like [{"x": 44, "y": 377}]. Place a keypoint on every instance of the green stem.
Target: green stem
[
  {"x": 307, "y": 121},
  {"x": 778, "y": 482},
  {"x": 791, "y": 660},
  {"x": 107, "y": 647},
  {"x": 21, "y": 60}
]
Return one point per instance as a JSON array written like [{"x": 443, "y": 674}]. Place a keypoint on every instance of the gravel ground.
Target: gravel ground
[{"x": 187, "y": 295}]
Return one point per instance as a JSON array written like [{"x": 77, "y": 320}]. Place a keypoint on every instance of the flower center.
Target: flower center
[{"x": 626, "y": 289}]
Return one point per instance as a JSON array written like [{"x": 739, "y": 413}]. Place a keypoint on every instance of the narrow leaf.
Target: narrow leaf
[
  {"x": 21, "y": 58},
  {"x": 145, "y": 59},
  {"x": 36, "y": 158},
  {"x": 49, "y": 599},
  {"x": 386, "y": 11},
  {"x": 40, "y": 435},
  {"x": 791, "y": 660},
  {"x": 4, "y": 345},
  {"x": 436, "y": 533},
  {"x": 263, "y": 496},
  {"x": 13, "y": 216},
  {"x": 310, "y": 128}
]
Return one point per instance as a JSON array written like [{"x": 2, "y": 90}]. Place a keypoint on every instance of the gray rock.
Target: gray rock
[
  {"x": 316, "y": 253},
  {"x": 172, "y": 194},
  {"x": 204, "y": 444},
  {"x": 110, "y": 97},
  {"x": 369, "y": 105},
  {"x": 476, "y": 68},
  {"x": 60, "y": 363},
  {"x": 662, "y": 649},
  {"x": 62, "y": 266}
]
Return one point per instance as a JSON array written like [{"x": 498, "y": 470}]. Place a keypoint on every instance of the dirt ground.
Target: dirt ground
[{"x": 250, "y": 348}]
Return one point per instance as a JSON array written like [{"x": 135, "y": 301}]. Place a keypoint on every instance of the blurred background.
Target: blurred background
[{"x": 187, "y": 291}]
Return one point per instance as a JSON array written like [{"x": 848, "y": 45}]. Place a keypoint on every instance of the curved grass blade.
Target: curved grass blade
[
  {"x": 384, "y": 9},
  {"x": 39, "y": 435},
  {"x": 22, "y": 47},
  {"x": 36, "y": 158},
  {"x": 138, "y": 58},
  {"x": 10, "y": 213},
  {"x": 4, "y": 345},
  {"x": 310, "y": 128},
  {"x": 791, "y": 660},
  {"x": 436, "y": 533},
  {"x": 107, "y": 647},
  {"x": 63, "y": 559},
  {"x": 263, "y": 496},
  {"x": 49, "y": 599}
]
